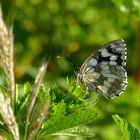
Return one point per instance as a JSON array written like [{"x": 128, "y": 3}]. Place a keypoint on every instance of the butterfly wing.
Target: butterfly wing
[
  {"x": 104, "y": 71},
  {"x": 113, "y": 53},
  {"x": 109, "y": 80}
]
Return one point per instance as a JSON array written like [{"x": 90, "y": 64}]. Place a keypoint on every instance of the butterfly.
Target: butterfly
[{"x": 104, "y": 71}]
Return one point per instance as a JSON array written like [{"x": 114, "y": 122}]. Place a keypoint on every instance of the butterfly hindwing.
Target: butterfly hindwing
[{"x": 109, "y": 80}]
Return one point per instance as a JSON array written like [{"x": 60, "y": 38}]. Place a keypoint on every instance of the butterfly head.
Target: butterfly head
[{"x": 76, "y": 70}]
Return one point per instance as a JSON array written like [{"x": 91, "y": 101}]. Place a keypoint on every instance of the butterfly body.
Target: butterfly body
[{"x": 104, "y": 71}]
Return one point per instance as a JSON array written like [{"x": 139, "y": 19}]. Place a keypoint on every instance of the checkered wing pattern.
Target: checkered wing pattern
[{"x": 104, "y": 71}]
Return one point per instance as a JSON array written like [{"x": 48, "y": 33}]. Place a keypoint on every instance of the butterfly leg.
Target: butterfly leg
[
  {"x": 77, "y": 82},
  {"x": 87, "y": 94}
]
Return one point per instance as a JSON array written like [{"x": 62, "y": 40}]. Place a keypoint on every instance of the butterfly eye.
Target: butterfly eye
[{"x": 76, "y": 70}]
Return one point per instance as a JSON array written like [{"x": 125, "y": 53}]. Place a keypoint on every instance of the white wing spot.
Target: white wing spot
[
  {"x": 104, "y": 67},
  {"x": 105, "y": 53},
  {"x": 113, "y": 46},
  {"x": 114, "y": 57},
  {"x": 103, "y": 89},
  {"x": 118, "y": 92},
  {"x": 120, "y": 49},
  {"x": 124, "y": 63},
  {"x": 123, "y": 73},
  {"x": 107, "y": 84},
  {"x": 96, "y": 75},
  {"x": 123, "y": 86},
  {"x": 123, "y": 57},
  {"x": 89, "y": 69},
  {"x": 122, "y": 40},
  {"x": 105, "y": 72},
  {"x": 104, "y": 63},
  {"x": 125, "y": 81},
  {"x": 93, "y": 62},
  {"x": 111, "y": 79},
  {"x": 110, "y": 75},
  {"x": 113, "y": 63}
]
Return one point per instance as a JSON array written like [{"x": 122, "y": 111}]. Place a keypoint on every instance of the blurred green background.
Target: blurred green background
[{"x": 73, "y": 30}]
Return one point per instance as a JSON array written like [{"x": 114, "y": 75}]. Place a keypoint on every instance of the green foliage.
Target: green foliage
[
  {"x": 62, "y": 120},
  {"x": 22, "y": 96},
  {"x": 67, "y": 117},
  {"x": 131, "y": 6},
  {"x": 68, "y": 114},
  {"x": 130, "y": 132},
  {"x": 72, "y": 30},
  {"x": 77, "y": 131}
]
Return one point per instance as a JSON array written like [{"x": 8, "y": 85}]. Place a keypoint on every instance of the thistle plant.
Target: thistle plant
[{"x": 35, "y": 112}]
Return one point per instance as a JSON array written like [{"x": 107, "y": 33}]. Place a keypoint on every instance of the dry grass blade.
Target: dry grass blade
[
  {"x": 35, "y": 91},
  {"x": 37, "y": 84},
  {"x": 7, "y": 55},
  {"x": 43, "y": 114},
  {"x": 7, "y": 114}
]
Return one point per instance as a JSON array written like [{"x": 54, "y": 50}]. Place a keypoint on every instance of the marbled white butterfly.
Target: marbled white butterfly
[{"x": 104, "y": 71}]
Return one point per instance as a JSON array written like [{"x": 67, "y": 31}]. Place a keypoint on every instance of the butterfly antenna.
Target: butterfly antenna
[
  {"x": 46, "y": 58},
  {"x": 68, "y": 60},
  {"x": 71, "y": 61}
]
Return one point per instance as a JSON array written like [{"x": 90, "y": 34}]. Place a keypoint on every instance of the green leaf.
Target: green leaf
[
  {"x": 60, "y": 121},
  {"x": 85, "y": 104},
  {"x": 74, "y": 89},
  {"x": 130, "y": 132},
  {"x": 76, "y": 131},
  {"x": 59, "y": 109},
  {"x": 22, "y": 95}
]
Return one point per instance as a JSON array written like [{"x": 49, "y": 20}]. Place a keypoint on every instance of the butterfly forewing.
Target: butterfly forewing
[
  {"x": 104, "y": 71},
  {"x": 113, "y": 53}
]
